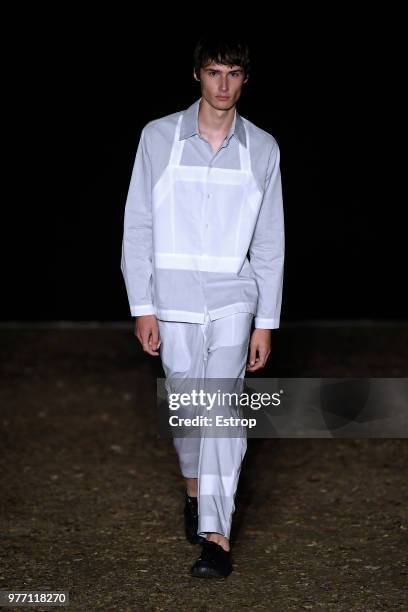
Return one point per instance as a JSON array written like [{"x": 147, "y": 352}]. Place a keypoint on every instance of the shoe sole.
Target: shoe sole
[{"x": 206, "y": 572}]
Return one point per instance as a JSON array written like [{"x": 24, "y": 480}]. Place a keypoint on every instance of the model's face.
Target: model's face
[{"x": 221, "y": 85}]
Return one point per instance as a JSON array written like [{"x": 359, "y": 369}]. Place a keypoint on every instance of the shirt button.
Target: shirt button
[{"x": 208, "y": 195}]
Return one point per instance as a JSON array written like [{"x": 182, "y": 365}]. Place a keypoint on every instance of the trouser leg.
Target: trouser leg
[
  {"x": 220, "y": 458},
  {"x": 181, "y": 353}
]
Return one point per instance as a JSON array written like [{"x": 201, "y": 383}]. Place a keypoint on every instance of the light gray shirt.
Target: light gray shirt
[{"x": 204, "y": 230}]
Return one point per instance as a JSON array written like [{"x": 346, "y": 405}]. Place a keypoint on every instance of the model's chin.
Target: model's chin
[
  {"x": 219, "y": 103},
  {"x": 223, "y": 104}
]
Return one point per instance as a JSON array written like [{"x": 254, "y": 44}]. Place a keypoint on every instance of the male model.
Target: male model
[{"x": 205, "y": 193}]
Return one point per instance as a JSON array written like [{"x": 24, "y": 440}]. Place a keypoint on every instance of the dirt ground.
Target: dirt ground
[{"x": 91, "y": 499}]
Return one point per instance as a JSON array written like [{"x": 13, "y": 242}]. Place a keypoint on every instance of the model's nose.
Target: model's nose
[{"x": 224, "y": 85}]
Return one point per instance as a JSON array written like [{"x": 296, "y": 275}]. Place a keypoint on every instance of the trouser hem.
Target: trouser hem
[{"x": 209, "y": 524}]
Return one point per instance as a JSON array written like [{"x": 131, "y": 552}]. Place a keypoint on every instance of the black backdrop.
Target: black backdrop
[{"x": 81, "y": 90}]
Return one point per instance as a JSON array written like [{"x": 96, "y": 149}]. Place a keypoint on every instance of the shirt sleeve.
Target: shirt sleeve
[
  {"x": 267, "y": 248},
  {"x": 137, "y": 243}
]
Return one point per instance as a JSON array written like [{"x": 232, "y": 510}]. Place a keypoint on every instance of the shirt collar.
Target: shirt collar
[{"x": 189, "y": 124}]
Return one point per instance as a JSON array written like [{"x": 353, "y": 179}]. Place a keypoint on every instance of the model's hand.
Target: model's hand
[
  {"x": 147, "y": 332},
  {"x": 259, "y": 349}
]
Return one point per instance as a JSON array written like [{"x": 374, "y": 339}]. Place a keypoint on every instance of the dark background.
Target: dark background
[{"x": 81, "y": 89}]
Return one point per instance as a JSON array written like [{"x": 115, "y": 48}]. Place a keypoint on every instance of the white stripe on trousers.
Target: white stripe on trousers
[{"x": 192, "y": 355}]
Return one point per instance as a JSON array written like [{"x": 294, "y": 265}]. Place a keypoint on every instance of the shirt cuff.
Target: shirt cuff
[
  {"x": 266, "y": 323},
  {"x": 144, "y": 309}
]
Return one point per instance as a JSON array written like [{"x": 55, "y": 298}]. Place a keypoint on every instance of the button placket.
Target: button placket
[{"x": 205, "y": 214}]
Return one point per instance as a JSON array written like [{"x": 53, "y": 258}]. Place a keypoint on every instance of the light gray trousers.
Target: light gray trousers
[{"x": 210, "y": 356}]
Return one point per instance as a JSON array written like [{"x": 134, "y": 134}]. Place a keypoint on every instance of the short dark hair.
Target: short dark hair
[{"x": 229, "y": 50}]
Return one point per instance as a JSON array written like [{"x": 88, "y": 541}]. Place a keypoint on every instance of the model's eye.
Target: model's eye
[{"x": 212, "y": 73}]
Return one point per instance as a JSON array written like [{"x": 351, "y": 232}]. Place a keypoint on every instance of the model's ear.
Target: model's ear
[{"x": 195, "y": 76}]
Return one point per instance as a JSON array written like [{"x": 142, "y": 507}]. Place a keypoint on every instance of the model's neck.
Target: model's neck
[{"x": 213, "y": 121}]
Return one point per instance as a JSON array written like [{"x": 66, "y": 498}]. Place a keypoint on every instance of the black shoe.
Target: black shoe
[
  {"x": 214, "y": 562},
  {"x": 191, "y": 520}
]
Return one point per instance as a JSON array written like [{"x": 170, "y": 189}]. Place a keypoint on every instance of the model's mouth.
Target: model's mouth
[{"x": 223, "y": 97}]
